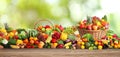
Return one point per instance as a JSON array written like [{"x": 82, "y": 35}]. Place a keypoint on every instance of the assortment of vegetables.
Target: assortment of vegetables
[{"x": 59, "y": 37}]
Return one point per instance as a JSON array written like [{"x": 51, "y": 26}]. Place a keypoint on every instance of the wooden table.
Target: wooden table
[{"x": 59, "y": 53}]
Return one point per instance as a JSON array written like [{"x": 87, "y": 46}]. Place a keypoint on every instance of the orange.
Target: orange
[
  {"x": 40, "y": 46},
  {"x": 35, "y": 38},
  {"x": 112, "y": 44},
  {"x": 31, "y": 38},
  {"x": 84, "y": 40},
  {"x": 45, "y": 36},
  {"x": 56, "y": 25},
  {"x": 32, "y": 41},
  {"x": 25, "y": 41},
  {"x": 118, "y": 45},
  {"x": 40, "y": 27},
  {"x": 115, "y": 46}
]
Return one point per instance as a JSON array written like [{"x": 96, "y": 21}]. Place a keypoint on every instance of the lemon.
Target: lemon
[
  {"x": 82, "y": 43},
  {"x": 100, "y": 47},
  {"x": 82, "y": 47}
]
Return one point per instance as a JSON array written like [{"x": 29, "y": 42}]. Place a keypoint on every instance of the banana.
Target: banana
[{"x": 14, "y": 46}]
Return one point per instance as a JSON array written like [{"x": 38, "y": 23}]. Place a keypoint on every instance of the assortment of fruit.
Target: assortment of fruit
[
  {"x": 94, "y": 23},
  {"x": 59, "y": 37}
]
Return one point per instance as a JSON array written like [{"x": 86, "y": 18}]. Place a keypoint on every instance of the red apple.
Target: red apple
[
  {"x": 28, "y": 46},
  {"x": 36, "y": 42},
  {"x": 89, "y": 27},
  {"x": 47, "y": 26},
  {"x": 82, "y": 26},
  {"x": 32, "y": 46},
  {"x": 115, "y": 36},
  {"x": 60, "y": 46}
]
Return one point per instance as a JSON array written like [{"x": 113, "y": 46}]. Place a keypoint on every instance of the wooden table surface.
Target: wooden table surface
[{"x": 59, "y": 53}]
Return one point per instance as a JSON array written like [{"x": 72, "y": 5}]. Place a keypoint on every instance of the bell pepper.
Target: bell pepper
[
  {"x": 12, "y": 41},
  {"x": 54, "y": 45},
  {"x": 19, "y": 42},
  {"x": 64, "y": 36}
]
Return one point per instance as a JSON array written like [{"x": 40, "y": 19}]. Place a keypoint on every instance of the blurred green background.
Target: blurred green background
[{"x": 24, "y": 13}]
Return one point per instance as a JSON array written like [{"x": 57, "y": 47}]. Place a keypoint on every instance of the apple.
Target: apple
[
  {"x": 32, "y": 46},
  {"x": 115, "y": 36},
  {"x": 82, "y": 26},
  {"x": 89, "y": 27},
  {"x": 47, "y": 26},
  {"x": 36, "y": 42},
  {"x": 60, "y": 46},
  {"x": 43, "y": 29}
]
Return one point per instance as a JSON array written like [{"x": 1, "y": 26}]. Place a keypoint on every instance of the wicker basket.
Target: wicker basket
[
  {"x": 43, "y": 23},
  {"x": 96, "y": 33}
]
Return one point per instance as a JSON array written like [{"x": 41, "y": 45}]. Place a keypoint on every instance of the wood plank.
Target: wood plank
[{"x": 59, "y": 53}]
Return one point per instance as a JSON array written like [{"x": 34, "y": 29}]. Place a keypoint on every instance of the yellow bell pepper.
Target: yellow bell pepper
[
  {"x": 19, "y": 42},
  {"x": 64, "y": 36},
  {"x": 54, "y": 45}
]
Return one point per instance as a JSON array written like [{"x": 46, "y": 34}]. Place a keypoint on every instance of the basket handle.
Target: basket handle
[{"x": 45, "y": 20}]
